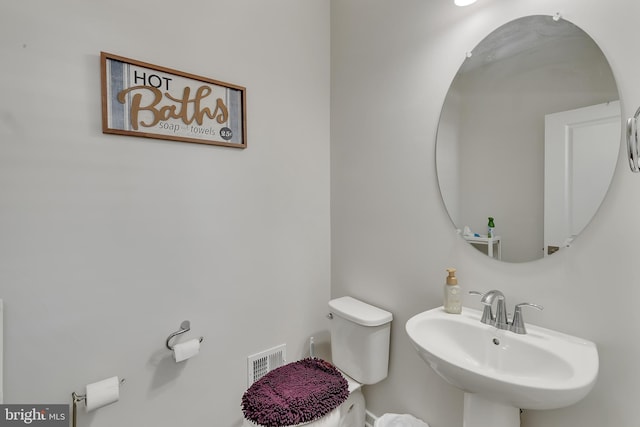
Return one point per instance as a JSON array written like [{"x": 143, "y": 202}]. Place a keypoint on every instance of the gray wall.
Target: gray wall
[
  {"x": 109, "y": 242},
  {"x": 392, "y": 63}
]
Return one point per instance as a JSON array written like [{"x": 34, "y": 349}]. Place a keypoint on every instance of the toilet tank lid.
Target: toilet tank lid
[{"x": 359, "y": 312}]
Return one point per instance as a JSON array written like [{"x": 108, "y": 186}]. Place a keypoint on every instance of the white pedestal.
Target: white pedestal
[{"x": 481, "y": 412}]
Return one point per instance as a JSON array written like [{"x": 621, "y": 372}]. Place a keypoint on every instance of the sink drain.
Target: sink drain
[{"x": 496, "y": 341}]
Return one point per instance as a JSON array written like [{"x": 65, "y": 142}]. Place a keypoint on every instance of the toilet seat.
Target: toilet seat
[{"x": 332, "y": 419}]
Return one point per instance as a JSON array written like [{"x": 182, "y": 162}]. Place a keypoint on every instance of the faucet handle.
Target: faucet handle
[
  {"x": 517, "y": 324},
  {"x": 487, "y": 312}
]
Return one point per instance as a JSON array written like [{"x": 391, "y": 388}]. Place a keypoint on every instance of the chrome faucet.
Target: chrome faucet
[{"x": 500, "y": 321}]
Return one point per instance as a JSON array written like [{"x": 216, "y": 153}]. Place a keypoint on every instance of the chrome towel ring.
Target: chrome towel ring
[{"x": 633, "y": 148}]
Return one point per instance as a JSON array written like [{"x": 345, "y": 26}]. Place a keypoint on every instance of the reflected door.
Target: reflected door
[{"x": 581, "y": 147}]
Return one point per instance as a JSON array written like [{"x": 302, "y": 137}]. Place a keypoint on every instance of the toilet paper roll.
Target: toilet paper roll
[
  {"x": 102, "y": 393},
  {"x": 186, "y": 350}
]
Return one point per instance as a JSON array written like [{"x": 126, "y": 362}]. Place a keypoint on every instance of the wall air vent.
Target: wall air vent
[{"x": 261, "y": 363}]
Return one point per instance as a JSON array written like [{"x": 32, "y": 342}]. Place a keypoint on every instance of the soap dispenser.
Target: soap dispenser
[{"x": 452, "y": 300}]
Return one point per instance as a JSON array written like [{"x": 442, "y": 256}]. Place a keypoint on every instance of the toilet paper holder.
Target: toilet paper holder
[
  {"x": 185, "y": 326},
  {"x": 77, "y": 398}
]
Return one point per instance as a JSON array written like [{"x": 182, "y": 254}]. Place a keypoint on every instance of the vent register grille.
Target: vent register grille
[
  {"x": 369, "y": 419},
  {"x": 259, "y": 364}
]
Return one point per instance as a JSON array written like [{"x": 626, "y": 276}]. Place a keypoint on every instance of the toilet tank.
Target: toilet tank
[{"x": 360, "y": 339}]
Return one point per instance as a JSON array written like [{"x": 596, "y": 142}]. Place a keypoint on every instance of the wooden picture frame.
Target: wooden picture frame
[{"x": 146, "y": 100}]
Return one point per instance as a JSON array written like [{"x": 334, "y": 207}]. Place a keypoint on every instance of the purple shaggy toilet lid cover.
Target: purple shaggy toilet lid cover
[{"x": 295, "y": 393}]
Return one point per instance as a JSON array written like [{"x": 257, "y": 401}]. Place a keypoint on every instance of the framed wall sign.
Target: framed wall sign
[{"x": 140, "y": 99}]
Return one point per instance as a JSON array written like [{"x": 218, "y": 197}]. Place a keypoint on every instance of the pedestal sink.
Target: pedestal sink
[{"x": 502, "y": 372}]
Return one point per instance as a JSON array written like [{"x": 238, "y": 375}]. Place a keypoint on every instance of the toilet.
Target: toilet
[{"x": 360, "y": 336}]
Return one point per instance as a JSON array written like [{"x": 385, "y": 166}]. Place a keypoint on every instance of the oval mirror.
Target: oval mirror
[{"x": 529, "y": 135}]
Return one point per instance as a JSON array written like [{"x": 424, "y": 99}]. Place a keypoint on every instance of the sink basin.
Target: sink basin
[{"x": 542, "y": 369}]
